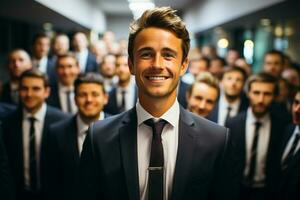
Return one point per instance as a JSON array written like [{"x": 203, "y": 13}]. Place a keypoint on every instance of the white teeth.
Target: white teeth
[{"x": 156, "y": 78}]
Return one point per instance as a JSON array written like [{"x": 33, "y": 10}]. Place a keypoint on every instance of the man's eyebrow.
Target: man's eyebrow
[{"x": 144, "y": 49}]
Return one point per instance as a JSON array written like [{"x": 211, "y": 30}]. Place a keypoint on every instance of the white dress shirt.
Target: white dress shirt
[
  {"x": 290, "y": 143},
  {"x": 262, "y": 145},
  {"x": 41, "y": 64},
  {"x": 38, "y": 125},
  {"x": 170, "y": 144},
  {"x": 81, "y": 130},
  {"x": 223, "y": 109},
  {"x": 129, "y": 95},
  {"x": 62, "y": 91},
  {"x": 82, "y": 59}
]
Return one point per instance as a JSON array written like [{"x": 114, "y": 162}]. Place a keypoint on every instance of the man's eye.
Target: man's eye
[
  {"x": 146, "y": 55},
  {"x": 169, "y": 55}
]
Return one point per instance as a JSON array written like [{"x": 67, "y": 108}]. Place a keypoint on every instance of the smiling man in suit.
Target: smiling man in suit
[
  {"x": 157, "y": 150},
  {"x": 25, "y": 134},
  {"x": 66, "y": 137}
]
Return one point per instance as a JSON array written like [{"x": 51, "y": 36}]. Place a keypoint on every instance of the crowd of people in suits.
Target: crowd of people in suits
[{"x": 50, "y": 146}]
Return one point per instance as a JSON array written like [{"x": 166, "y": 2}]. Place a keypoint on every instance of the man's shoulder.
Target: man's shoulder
[{"x": 204, "y": 127}]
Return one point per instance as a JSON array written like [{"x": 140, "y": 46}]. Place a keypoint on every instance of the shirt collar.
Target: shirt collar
[
  {"x": 252, "y": 119},
  {"x": 64, "y": 88},
  {"x": 171, "y": 115},
  {"x": 83, "y": 127},
  {"x": 234, "y": 106},
  {"x": 39, "y": 115}
]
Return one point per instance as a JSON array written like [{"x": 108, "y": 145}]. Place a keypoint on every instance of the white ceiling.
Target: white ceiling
[{"x": 120, "y": 7}]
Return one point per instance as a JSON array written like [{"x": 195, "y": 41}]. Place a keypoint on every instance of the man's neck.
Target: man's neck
[
  {"x": 157, "y": 106},
  {"x": 88, "y": 120},
  {"x": 231, "y": 99}
]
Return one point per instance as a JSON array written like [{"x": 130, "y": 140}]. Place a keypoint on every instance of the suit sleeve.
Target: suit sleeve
[
  {"x": 6, "y": 183},
  {"x": 52, "y": 182},
  {"x": 226, "y": 183}
]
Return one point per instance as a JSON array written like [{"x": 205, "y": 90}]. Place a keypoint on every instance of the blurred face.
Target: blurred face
[
  {"x": 61, "y": 45},
  {"x": 19, "y": 61},
  {"x": 296, "y": 109},
  {"x": 202, "y": 99},
  {"x": 198, "y": 66},
  {"x": 157, "y": 64},
  {"x": 33, "y": 93},
  {"x": 90, "y": 100},
  {"x": 216, "y": 68},
  {"x": 273, "y": 64},
  {"x": 41, "y": 47},
  {"x": 231, "y": 57},
  {"x": 232, "y": 83},
  {"x": 108, "y": 67},
  {"x": 261, "y": 96},
  {"x": 122, "y": 69},
  {"x": 80, "y": 42},
  {"x": 292, "y": 76},
  {"x": 67, "y": 70}
]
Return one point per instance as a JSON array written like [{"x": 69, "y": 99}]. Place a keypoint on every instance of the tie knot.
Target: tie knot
[
  {"x": 157, "y": 127},
  {"x": 257, "y": 124},
  {"x": 229, "y": 108},
  {"x": 31, "y": 119}
]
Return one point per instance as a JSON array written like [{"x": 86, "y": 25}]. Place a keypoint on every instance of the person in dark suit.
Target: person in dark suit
[
  {"x": 87, "y": 61},
  {"x": 18, "y": 62},
  {"x": 290, "y": 156},
  {"x": 256, "y": 134},
  {"x": 62, "y": 92},
  {"x": 40, "y": 56},
  {"x": 122, "y": 160},
  {"x": 232, "y": 99},
  {"x": 25, "y": 134},
  {"x": 6, "y": 182},
  {"x": 123, "y": 96},
  {"x": 66, "y": 137}
]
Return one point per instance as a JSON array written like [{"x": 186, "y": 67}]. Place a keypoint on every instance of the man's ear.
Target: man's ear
[
  {"x": 184, "y": 66},
  {"x": 131, "y": 67}
]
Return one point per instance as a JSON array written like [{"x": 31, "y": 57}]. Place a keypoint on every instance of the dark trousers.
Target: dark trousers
[{"x": 252, "y": 193}]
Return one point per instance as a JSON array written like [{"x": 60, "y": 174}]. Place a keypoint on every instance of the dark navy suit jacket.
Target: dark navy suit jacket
[
  {"x": 62, "y": 160},
  {"x": 13, "y": 139},
  {"x": 237, "y": 126},
  {"x": 109, "y": 169}
]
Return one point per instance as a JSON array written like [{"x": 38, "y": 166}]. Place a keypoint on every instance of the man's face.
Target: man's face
[
  {"x": 261, "y": 96},
  {"x": 41, "y": 47},
  {"x": 80, "y": 42},
  {"x": 19, "y": 61},
  {"x": 202, "y": 99},
  {"x": 273, "y": 64},
  {"x": 157, "y": 63},
  {"x": 198, "y": 66},
  {"x": 67, "y": 70},
  {"x": 296, "y": 109},
  {"x": 108, "y": 67},
  {"x": 232, "y": 83},
  {"x": 90, "y": 100},
  {"x": 122, "y": 69},
  {"x": 33, "y": 93},
  {"x": 61, "y": 45}
]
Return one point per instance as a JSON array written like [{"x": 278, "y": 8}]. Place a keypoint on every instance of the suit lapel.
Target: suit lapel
[
  {"x": 186, "y": 143},
  {"x": 128, "y": 141},
  {"x": 73, "y": 142}
]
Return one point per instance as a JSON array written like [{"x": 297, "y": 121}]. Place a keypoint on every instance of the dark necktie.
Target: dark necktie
[
  {"x": 227, "y": 115},
  {"x": 122, "y": 107},
  {"x": 32, "y": 155},
  {"x": 253, "y": 156},
  {"x": 69, "y": 106},
  {"x": 290, "y": 154},
  {"x": 156, "y": 165}
]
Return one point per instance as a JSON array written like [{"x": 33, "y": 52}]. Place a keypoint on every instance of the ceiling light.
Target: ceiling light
[{"x": 137, "y": 7}]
